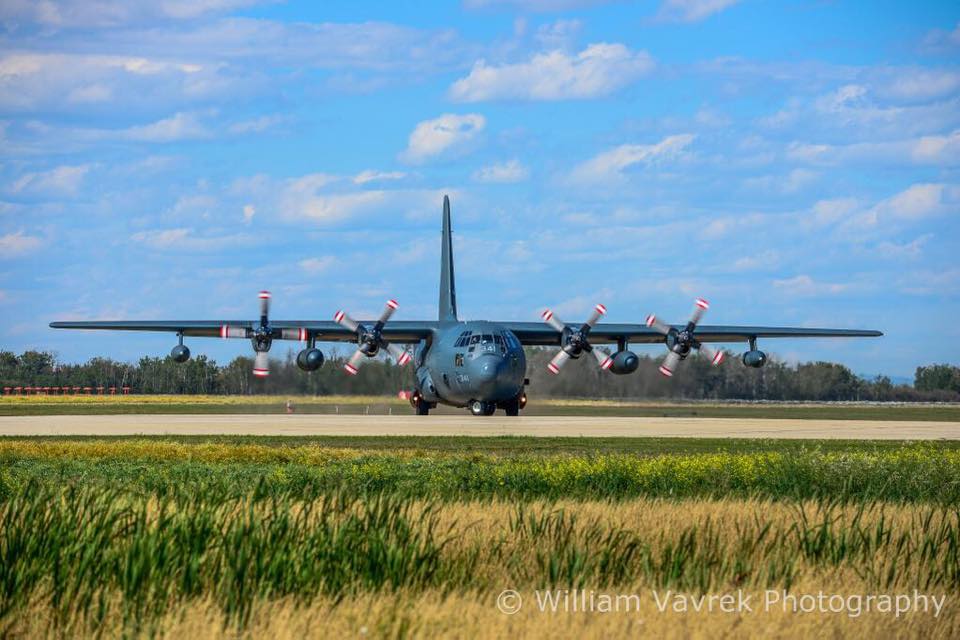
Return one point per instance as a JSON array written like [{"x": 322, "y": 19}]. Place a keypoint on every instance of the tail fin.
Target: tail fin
[{"x": 448, "y": 289}]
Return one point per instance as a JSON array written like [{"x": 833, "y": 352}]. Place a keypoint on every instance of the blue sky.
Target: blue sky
[{"x": 795, "y": 163}]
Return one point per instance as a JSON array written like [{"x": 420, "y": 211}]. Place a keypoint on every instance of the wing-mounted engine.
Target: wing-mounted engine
[
  {"x": 681, "y": 342},
  {"x": 370, "y": 339},
  {"x": 624, "y": 362},
  {"x": 574, "y": 341},
  {"x": 262, "y": 335}
]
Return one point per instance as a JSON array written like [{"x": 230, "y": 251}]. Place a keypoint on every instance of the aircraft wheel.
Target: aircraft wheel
[
  {"x": 423, "y": 407},
  {"x": 480, "y": 408},
  {"x": 512, "y": 407}
]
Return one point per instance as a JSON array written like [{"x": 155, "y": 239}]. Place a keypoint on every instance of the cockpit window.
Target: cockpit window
[
  {"x": 497, "y": 338},
  {"x": 463, "y": 339},
  {"x": 487, "y": 339},
  {"x": 475, "y": 339}
]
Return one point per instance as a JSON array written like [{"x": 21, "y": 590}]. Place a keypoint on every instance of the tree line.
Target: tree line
[{"x": 696, "y": 378}]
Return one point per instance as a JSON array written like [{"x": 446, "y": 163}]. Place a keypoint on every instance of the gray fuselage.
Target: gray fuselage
[{"x": 466, "y": 361}]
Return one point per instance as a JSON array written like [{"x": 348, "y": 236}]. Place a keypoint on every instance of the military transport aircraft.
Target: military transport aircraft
[{"x": 476, "y": 364}]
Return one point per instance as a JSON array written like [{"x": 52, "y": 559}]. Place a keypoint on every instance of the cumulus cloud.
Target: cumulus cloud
[
  {"x": 372, "y": 176},
  {"x": 533, "y": 5},
  {"x": 504, "y": 172},
  {"x": 180, "y": 126},
  {"x": 804, "y": 285},
  {"x": 73, "y": 14},
  {"x": 64, "y": 81},
  {"x": 64, "y": 180},
  {"x": 610, "y": 165},
  {"x": 187, "y": 239},
  {"x": 936, "y": 150},
  {"x": 18, "y": 244},
  {"x": 597, "y": 71},
  {"x": 691, "y": 10},
  {"x": 304, "y": 198},
  {"x": 449, "y": 132}
]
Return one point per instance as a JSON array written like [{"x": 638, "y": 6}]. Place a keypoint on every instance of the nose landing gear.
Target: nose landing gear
[{"x": 481, "y": 408}]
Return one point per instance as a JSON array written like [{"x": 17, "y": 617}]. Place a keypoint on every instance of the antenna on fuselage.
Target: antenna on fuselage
[{"x": 448, "y": 289}]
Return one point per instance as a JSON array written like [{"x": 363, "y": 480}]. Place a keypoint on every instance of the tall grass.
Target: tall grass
[{"x": 91, "y": 553}]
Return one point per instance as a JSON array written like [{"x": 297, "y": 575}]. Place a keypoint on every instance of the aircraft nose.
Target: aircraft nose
[{"x": 487, "y": 367}]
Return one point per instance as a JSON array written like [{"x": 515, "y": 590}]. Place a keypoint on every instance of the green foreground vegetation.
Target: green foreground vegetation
[
  {"x": 916, "y": 472},
  {"x": 122, "y": 533}
]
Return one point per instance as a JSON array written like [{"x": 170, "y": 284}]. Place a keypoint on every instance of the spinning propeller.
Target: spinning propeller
[
  {"x": 370, "y": 341},
  {"x": 262, "y": 336},
  {"x": 680, "y": 343},
  {"x": 574, "y": 341}
]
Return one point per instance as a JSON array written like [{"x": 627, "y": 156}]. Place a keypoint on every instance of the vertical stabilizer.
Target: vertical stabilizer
[{"x": 448, "y": 289}]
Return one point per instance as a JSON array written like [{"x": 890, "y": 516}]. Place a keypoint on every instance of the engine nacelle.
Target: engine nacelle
[
  {"x": 754, "y": 358},
  {"x": 180, "y": 353},
  {"x": 624, "y": 362},
  {"x": 310, "y": 359}
]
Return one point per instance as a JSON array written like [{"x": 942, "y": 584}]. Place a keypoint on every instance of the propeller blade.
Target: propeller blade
[
  {"x": 715, "y": 355},
  {"x": 388, "y": 310},
  {"x": 700, "y": 307},
  {"x": 401, "y": 355},
  {"x": 353, "y": 365},
  {"x": 228, "y": 331},
  {"x": 341, "y": 318},
  {"x": 605, "y": 361},
  {"x": 598, "y": 311},
  {"x": 261, "y": 364},
  {"x": 670, "y": 364},
  {"x": 300, "y": 334},
  {"x": 558, "y": 361},
  {"x": 553, "y": 321},
  {"x": 264, "y": 304},
  {"x": 654, "y": 323}
]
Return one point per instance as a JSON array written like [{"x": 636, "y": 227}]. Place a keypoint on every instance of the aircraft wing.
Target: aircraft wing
[
  {"x": 324, "y": 331},
  {"x": 539, "y": 333}
]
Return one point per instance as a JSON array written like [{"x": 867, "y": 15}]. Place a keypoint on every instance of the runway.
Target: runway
[{"x": 466, "y": 425}]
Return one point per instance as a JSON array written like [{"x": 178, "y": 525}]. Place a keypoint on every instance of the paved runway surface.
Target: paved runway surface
[{"x": 466, "y": 425}]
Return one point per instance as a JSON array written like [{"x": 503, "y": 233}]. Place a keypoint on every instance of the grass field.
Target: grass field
[
  {"x": 137, "y": 404},
  {"x": 400, "y": 537}
]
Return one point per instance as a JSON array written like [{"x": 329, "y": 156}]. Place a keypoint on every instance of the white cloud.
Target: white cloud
[
  {"x": 804, "y": 285},
  {"x": 504, "y": 172},
  {"x": 63, "y": 180},
  {"x": 302, "y": 198},
  {"x": 257, "y": 125},
  {"x": 691, "y": 10},
  {"x": 180, "y": 126},
  {"x": 371, "y": 176},
  {"x": 923, "y": 84},
  {"x": 532, "y": 6},
  {"x": 936, "y": 150},
  {"x": 598, "y": 70},
  {"x": 827, "y": 212},
  {"x": 17, "y": 244},
  {"x": 186, "y": 239},
  {"x": 916, "y": 202},
  {"x": 792, "y": 182},
  {"x": 609, "y": 165},
  {"x": 73, "y": 14},
  {"x": 432, "y": 138},
  {"x": 912, "y": 249},
  {"x": 248, "y": 212},
  {"x": 317, "y": 265}
]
